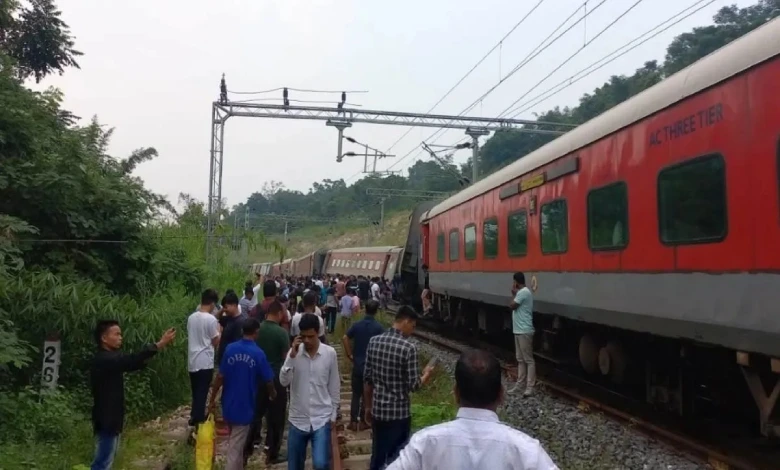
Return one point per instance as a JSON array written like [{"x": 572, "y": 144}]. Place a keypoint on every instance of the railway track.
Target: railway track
[{"x": 590, "y": 396}]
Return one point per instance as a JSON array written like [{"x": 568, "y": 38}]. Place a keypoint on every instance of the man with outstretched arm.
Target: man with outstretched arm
[{"x": 107, "y": 376}]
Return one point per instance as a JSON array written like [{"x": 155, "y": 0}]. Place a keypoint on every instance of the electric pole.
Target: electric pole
[
  {"x": 382, "y": 214},
  {"x": 475, "y": 133}
]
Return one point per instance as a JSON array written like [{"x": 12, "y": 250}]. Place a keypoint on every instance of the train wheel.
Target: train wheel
[
  {"x": 613, "y": 361},
  {"x": 589, "y": 354}
]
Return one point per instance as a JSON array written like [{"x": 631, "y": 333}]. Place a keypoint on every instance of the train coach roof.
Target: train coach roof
[
  {"x": 743, "y": 53},
  {"x": 369, "y": 249}
]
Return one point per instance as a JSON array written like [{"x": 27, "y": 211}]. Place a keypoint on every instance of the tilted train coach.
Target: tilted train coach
[{"x": 650, "y": 236}]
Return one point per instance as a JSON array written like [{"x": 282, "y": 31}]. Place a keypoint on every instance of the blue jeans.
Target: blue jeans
[
  {"x": 297, "y": 441},
  {"x": 105, "y": 451}
]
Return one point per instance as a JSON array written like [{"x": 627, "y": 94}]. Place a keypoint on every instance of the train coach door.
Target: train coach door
[
  {"x": 386, "y": 268},
  {"x": 424, "y": 245}
]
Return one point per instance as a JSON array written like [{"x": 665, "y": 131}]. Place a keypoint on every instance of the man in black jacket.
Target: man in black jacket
[{"x": 108, "y": 390}]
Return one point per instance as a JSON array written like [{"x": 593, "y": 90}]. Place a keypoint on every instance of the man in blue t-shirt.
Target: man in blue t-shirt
[
  {"x": 361, "y": 332},
  {"x": 241, "y": 367},
  {"x": 523, "y": 328}
]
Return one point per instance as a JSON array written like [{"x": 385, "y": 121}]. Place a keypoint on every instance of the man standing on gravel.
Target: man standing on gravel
[
  {"x": 391, "y": 373},
  {"x": 476, "y": 439},
  {"x": 523, "y": 328}
]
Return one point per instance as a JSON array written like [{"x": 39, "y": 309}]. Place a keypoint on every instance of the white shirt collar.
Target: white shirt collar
[{"x": 478, "y": 414}]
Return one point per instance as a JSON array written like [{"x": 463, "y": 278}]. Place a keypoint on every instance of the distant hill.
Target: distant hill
[{"x": 311, "y": 238}]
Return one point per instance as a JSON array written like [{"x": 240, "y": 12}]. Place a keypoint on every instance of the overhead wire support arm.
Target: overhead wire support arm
[
  {"x": 371, "y": 116},
  {"x": 341, "y": 117}
]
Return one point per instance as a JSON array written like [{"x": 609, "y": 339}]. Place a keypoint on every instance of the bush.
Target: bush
[
  {"x": 42, "y": 303},
  {"x": 29, "y": 415}
]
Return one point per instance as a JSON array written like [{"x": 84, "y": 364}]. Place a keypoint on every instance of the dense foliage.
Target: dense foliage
[
  {"x": 335, "y": 199},
  {"x": 81, "y": 239}
]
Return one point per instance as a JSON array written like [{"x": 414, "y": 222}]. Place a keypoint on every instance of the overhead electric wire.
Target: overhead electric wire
[
  {"x": 609, "y": 58},
  {"x": 541, "y": 47},
  {"x": 537, "y": 50},
  {"x": 634, "y": 5},
  {"x": 479, "y": 62},
  {"x": 301, "y": 90},
  {"x": 294, "y": 101}
]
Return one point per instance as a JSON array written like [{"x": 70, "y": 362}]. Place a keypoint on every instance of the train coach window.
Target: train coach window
[
  {"x": 440, "y": 248},
  {"x": 692, "y": 201},
  {"x": 490, "y": 238},
  {"x": 470, "y": 241},
  {"x": 554, "y": 227},
  {"x": 517, "y": 231},
  {"x": 608, "y": 217},
  {"x": 454, "y": 245}
]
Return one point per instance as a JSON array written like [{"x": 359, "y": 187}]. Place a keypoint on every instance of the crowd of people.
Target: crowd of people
[{"x": 272, "y": 361}]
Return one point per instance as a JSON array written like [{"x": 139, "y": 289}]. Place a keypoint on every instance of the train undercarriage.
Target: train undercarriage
[{"x": 695, "y": 381}]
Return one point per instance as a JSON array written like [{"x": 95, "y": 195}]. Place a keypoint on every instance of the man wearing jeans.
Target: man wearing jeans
[
  {"x": 391, "y": 374},
  {"x": 311, "y": 370},
  {"x": 108, "y": 390},
  {"x": 361, "y": 333},
  {"x": 523, "y": 328}
]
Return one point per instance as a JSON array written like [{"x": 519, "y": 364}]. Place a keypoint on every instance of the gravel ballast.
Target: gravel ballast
[{"x": 574, "y": 438}]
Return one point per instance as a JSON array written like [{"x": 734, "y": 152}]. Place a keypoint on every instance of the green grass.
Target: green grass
[
  {"x": 434, "y": 402},
  {"x": 76, "y": 451},
  {"x": 313, "y": 237}
]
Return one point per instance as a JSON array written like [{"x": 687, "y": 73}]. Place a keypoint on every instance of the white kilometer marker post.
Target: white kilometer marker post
[{"x": 50, "y": 373}]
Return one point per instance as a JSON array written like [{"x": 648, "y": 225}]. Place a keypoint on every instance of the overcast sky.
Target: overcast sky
[{"x": 151, "y": 69}]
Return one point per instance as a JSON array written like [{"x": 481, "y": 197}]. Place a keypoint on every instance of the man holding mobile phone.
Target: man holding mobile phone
[
  {"x": 311, "y": 371},
  {"x": 522, "y": 306}
]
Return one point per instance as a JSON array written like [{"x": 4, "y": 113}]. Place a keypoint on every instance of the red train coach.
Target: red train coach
[
  {"x": 650, "y": 235},
  {"x": 377, "y": 261}
]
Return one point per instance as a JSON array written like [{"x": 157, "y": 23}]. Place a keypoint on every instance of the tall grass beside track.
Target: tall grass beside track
[{"x": 51, "y": 430}]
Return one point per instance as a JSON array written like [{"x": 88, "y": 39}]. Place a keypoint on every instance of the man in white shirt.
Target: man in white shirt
[
  {"x": 476, "y": 439},
  {"x": 375, "y": 289},
  {"x": 311, "y": 370},
  {"x": 248, "y": 301},
  {"x": 202, "y": 338},
  {"x": 309, "y": 306}
]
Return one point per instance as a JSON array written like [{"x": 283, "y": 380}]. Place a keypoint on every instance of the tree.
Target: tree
[
  {"x": 730, "y": 23},
  {"x": 270, "y": 188},
  {"x": 36, "y": 38}
]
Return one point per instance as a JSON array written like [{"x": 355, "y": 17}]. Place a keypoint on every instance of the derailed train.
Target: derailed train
[
  {"x": 650, "y": 236},
  {"x": 379, "y": 261}
]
